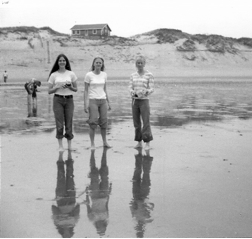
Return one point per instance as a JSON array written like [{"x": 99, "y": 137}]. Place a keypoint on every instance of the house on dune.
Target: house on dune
[{"x": 93, "y": 31}]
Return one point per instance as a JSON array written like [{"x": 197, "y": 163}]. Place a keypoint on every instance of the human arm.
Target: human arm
[
  {"x": 107, "y": 98},
  {"x": 149, "y": 87},
  {"x": 30, "y": 88},
  {"x": 53, "y": 88},
  {"x": 86, "y": 97},
  {"x": 73, "y": 86},
  {"x": 131, "y": 86}
]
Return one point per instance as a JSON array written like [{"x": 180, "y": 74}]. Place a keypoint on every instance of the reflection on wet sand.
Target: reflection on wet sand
[
  {"x": 99, "y": 192},
  {"x": 173, "y": 104},
  {"x": 66, "y": 213},
  {"x": 32, "y": 106},
  {"x": 140, "y": 206}
]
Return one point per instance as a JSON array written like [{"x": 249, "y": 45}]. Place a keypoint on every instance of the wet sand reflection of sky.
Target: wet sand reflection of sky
[{"x": 173, "y": 104}]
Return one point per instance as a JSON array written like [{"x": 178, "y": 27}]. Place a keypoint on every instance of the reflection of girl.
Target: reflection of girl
[
  {"x": 140, "y": 206},
  {"x": 96, "y": 92},
  {"x": 141, "y": 86},
  {"x": 99, "y": 191},
  {"x": 66, "y": 213},
  {"x": 62, "y": 82}
]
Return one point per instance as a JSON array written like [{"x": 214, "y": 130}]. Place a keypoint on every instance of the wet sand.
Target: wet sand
[{"x": 194, "y": 182}]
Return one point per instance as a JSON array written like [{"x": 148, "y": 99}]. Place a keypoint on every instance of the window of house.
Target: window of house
[
  {"x": 94, "y": 31},
  {"x": 78, "y": 32}
]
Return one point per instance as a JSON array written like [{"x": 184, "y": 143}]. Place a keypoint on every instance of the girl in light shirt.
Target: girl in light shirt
[
  {"x": 63, "y": 82},
  {"x": 96, "y": 101}
]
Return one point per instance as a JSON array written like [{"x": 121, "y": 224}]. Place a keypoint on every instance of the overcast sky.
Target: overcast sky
[{"x": 230, "y": 18}]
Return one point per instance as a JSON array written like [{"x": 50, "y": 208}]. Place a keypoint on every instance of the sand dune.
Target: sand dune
[{"x": 31, "y": 54}]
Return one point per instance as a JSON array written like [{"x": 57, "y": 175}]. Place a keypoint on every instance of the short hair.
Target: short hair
[
  {"x": 56, "y": 64},
  {"x": 103, "y": 66},
  {"x": 140, "y": 57}
]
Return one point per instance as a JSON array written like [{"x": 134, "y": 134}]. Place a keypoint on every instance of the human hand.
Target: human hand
[
  {"x": 109, "y": 107},
  {"x": 145, "y": 92},
  {"x": 67, "y": 85},
  {"x": 133, "y": 93},
  {"x": 140, "y": 94},
  {"x": 85, "y": 109}
]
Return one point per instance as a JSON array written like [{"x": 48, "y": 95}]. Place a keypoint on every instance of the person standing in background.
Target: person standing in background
[
  {"x": 95, "y": 93},
  {"x": 62, "y": 82},
  {"x": 141, "y": 86},
  {"x": 5, "y": 76}
]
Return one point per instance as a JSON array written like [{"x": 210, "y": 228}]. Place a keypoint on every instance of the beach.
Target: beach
[{"x": 194, "y": 181}]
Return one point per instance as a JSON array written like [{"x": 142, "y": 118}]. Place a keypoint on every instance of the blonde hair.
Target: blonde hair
[{"x": 140, "y": 58}]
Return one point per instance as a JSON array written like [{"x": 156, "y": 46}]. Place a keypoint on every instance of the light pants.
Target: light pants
[{"x": 98, "y": 110}]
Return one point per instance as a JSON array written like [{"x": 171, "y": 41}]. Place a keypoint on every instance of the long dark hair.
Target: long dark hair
[
  {"x": 103, "y": 66},
  {"x": 56, "y": 64}
]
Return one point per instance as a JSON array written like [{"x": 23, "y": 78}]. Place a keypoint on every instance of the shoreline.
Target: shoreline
[
  {"x": 168, "y": 79},
  {"x": 21, "y": 74}
]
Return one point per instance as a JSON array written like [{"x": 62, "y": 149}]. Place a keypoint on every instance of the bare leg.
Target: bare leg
[
  {"x": 92, "y": 136},
  {"x": 60, "y": 145},
  {"x": 69, "y": 142},
  {"x": 29, "y": 104},
  {"x": 139, "y": 145},
  {"x": 147, "y": 146},
  {"x": 104, "y": 138}
]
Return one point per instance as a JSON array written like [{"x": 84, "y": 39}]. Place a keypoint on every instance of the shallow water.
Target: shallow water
[
  {"x": 195, "y": 182},
  {"x": 174, "y": 103}
]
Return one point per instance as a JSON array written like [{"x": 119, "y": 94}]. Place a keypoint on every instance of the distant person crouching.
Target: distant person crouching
[{"x": 31, "y": 88}]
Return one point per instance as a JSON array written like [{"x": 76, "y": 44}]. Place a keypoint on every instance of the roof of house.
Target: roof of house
[{"x": 89, "y": 26}]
